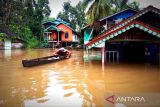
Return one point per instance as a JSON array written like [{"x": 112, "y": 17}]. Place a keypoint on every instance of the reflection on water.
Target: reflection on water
[
  {"x": 7, "y": 53},
  {"x": 72, "y": 82}
]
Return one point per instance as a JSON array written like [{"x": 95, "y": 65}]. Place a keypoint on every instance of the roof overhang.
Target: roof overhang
[
  {"x": 134, "y": 24},
  {"x": 87, "y": 26},
  {"x": 118, "y": 13},
  {"x": 47, "y": 22},
  {"x": 124, "y": 23},
  {"x": 65, "y": 25},
  {"x": 52, "y": 28}
]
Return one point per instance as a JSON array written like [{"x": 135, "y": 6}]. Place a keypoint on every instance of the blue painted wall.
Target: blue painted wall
[
  {"x": 123, "y": 15},
  {"x": 87, "y": 34}
]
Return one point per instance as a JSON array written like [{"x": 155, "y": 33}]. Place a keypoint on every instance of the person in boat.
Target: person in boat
[{"x": 62, "y": 53}]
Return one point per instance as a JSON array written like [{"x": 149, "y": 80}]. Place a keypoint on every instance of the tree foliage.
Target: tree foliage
[
  {"x": 123, "y": 4},
  {"x": 101, "y": 8},
  {"x": 119, "y": 5},
  {"x": 73, "y": 14},
  {"x": 78, "y": 16},
  {"x": 26, "y": 35},
  {"x": 134, "y": 5},
  {"x": 24, "y": 13},
  {"x": 98, "y": 10}
]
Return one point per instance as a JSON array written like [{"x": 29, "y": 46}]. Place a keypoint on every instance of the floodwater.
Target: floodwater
[{"x": 79, "y": 81}]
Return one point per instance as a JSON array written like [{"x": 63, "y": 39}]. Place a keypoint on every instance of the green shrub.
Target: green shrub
[{"x": 24, "y": 33}]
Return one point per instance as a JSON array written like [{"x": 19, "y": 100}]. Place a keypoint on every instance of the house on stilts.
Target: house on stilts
[
  {"x": 59, "y": 33},
  {"x": 129, "y": 36}
]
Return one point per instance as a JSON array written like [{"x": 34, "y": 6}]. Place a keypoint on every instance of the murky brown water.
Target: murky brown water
[{"x": 72, "y": 82}]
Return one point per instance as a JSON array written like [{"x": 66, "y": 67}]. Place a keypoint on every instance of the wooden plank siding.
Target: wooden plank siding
[
  {"x": 68, "y": 30},
  {"x": 124, "y": 25}
]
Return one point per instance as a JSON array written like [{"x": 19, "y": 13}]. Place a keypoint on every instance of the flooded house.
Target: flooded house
[
  {"x": 9, "y": 40},
  {"x": 129, "y": 35},
  {"x": 59, "y": 33}
]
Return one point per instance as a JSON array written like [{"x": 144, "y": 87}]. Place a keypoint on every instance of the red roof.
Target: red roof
[
  {"x": 102, "y": 19},
  {"x": 125, "y": 23},
  {"x": 129, "y": 24}
]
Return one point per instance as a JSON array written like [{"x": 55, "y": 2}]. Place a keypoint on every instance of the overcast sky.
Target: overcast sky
[{"x": 56, "y": 5}]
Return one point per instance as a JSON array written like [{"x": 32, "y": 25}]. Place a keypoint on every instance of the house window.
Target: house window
[{"x": 66, "y": 35}]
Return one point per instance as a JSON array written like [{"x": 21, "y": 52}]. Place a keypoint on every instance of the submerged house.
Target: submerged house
[
  {"x": 59, "y": 33},
  {"x": 9, "y": 40},
  {"x": 132, "y": 38},
  {"x": 106, "y": 23}
]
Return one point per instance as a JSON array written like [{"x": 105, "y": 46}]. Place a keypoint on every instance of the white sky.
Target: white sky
[{"x": 57, "y": 5}]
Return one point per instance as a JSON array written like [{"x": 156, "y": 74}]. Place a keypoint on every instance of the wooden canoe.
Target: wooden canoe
[{"x": 42, "y": 60}]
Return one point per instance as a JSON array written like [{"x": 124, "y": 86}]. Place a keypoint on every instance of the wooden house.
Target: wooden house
[
  {"x": 106, "y": 23},
  {"x": 59, "y": 33},
  {"x": 136, "y": 38}
]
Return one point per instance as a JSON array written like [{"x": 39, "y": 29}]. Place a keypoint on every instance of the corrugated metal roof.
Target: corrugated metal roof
[
  {"x": 129, "y": 9},
  {"x": 125, "y": 22},
  {"x": 57, "y": 21},
  {"x": 52, "y": 28}
]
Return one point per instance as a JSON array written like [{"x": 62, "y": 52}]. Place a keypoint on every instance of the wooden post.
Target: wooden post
[
  {"x": 117, "y": 56},
  {"x": 53, "y": 45},
  {"x": 109, "y": 54},
  {"x": 103, "y": 59},
  {"x": 92, "y": 51},
  {"x": 106, "y": 25},
  {"x": 159, "y": 58},
  {"x": 47, "y": 36},
  {"x": 58, "y": 37},
  {"x": 103, "y": 54},
  {"x": 87, "y": 51},
  {"x": 159, "y": 54},
  {"x": 113, "y": 55}
]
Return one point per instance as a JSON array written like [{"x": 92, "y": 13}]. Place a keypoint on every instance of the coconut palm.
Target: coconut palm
[{"x": 98, "y": 9}]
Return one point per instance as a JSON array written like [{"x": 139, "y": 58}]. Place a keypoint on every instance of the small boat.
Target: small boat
[
  {"x": 59, "y": 55},
  {"x": 42, "y": 60}
]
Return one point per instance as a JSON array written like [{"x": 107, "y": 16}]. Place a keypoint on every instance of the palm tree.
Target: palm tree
[
  {"x": 98, "y": 9},
  {"x": 101, "y": 8}
]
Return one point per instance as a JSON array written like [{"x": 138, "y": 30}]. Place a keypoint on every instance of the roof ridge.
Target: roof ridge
[
  {"x": 118, "y": 13},
  {"x": 130, "y": 23},
  {"x": 65, "y": 25},
  {"x": 53, "y": 27},
  {"x": 112, "y": 28},
  {"x": 108, "y": 16}
]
